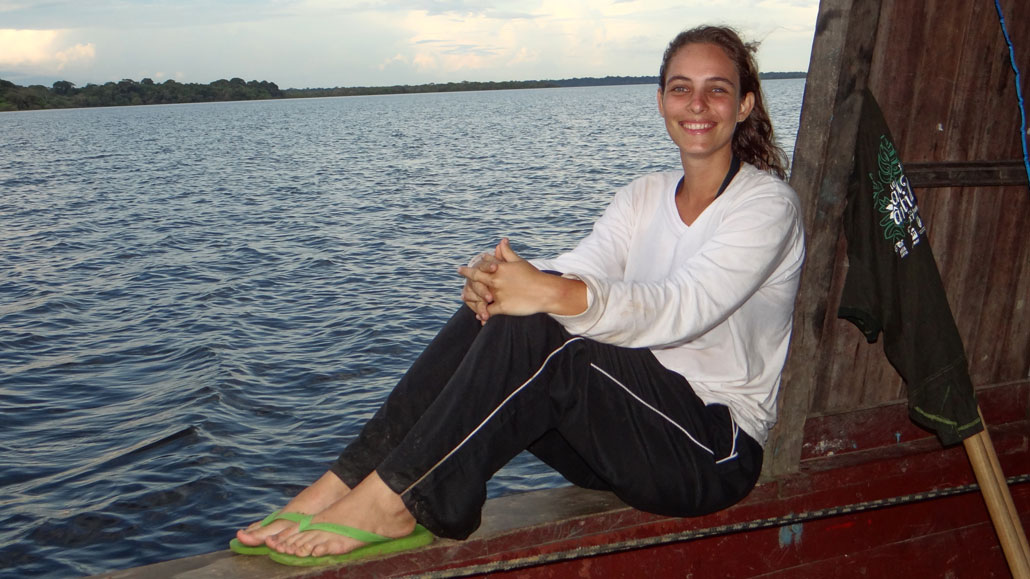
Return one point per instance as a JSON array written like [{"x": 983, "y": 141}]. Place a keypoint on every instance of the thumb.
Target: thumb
[{"x": 505, "y": 251}]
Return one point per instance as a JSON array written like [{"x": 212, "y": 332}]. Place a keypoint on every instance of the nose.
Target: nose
[{"x": 697, "y": 102}]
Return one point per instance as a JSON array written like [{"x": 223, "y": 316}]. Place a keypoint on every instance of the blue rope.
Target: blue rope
[{"x": 1019, "y": 87}]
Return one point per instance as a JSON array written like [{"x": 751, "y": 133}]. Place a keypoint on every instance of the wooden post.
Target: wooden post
[{"x": 841, "y": 54}]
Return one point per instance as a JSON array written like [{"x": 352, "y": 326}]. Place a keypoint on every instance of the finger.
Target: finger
[
  {"x": 485, "y": 262},
  {"x": 506, "y": 252},
  {"x": 476, "y": 259},
  {"x": 468, "y": 273},
  {"x": 479, "y": 307},
  {"x": 474, "y": 290},
  {"x": 474, "y": 301},
  {"x": 483, "y": 291}
]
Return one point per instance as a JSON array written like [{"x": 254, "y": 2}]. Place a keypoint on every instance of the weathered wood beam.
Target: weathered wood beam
[
  {"x": 842, "y": 51},
  {"x": 966, "y": 174}
]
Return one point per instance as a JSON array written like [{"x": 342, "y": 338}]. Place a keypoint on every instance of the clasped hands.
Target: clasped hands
[{"x": 504, "y": 283}]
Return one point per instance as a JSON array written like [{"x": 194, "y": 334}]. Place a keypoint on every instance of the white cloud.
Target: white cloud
[
  {"x": 41, "y": 50},
  {"x": 523, "y": 56},
  {"x": 75, "y": 54},
  {"x": 325, "y": 43},
  {"x": 563, "y": 38},
  {"x": 397, "y": 59},
  {"x": 21, "y": 47}
]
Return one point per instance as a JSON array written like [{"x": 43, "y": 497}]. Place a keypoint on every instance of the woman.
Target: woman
[{"x": 648, "y": 367}]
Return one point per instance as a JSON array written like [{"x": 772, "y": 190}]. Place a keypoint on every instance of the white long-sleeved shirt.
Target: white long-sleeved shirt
[{"x": 713, "y": 300}]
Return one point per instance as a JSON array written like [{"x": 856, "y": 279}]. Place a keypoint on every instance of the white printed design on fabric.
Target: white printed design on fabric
[{"x": 893, "y": 198}]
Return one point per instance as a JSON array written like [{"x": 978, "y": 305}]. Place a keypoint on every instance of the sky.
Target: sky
[{"x": 325, "y": 44}]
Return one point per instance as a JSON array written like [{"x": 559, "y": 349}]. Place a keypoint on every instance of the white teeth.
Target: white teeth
[{"x": 696, "y": 126}]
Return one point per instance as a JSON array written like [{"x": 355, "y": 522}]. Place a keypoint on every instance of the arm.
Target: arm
[{"x": 745, "y": 251}]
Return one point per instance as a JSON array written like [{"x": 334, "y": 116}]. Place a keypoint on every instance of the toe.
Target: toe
[{"x": 247, "y": 539}]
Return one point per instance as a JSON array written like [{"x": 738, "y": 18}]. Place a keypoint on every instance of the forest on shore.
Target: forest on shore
[{"x": 128, "y": 92}]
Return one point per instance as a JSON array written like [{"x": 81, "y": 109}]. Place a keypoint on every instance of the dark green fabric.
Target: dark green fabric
[{"x": 893, "y": 286}]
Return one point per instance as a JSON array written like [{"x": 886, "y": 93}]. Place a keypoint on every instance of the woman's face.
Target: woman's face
[{"x": 701, "y": 103}]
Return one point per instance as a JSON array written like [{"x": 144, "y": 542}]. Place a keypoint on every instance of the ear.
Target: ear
[
  {"x": 747, "y": 104},
  {"x": 661, "y": 108}
]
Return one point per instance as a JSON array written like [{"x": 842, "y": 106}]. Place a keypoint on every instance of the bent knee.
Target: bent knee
[{"x": 532, "y": 324}]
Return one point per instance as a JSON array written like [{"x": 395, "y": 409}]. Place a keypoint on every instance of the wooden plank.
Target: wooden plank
[
  {"x": 868, "y": 544},
  {"x": 966, "y": 174},
  {"x": 990, "y": 119},
  {"x": 1001, "y": 351},
  {"x": 844, "y": 40},
  {"x": 889, "y": 426},
  {"x": 942, "y": 554}
]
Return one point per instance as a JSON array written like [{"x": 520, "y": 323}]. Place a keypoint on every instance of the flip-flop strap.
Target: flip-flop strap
[
  {"x": 342, "y": 530},
  {"x": 281, "y": 516}
]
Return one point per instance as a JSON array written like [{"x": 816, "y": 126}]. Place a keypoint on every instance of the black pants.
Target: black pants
[{"x": 604, "y": 417}]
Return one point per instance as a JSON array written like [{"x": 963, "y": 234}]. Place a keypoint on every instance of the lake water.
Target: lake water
[{"x": 201, "y": 304}]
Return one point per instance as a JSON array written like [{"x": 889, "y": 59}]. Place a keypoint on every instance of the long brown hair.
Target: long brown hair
[{"x": 753, "y": 140}]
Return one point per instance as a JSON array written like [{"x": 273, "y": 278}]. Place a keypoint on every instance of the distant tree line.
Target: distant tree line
[
  {"x": 64, "y": 94},
  {"x": 417, "y": 88},
  {"x": 621, "y": 80}
]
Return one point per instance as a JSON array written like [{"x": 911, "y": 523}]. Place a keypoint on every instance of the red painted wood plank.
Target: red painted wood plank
[
  {"x": 887, "y": 426},
  {"x": 947, "y": 537}
]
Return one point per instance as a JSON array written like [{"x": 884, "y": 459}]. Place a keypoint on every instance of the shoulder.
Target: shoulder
[
  {"x": 753, "y": 181},
  {"x": 758, "y": 203},
  {"x": 753, "y": 187}
]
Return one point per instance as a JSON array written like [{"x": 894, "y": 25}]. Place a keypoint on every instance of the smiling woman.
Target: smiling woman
[
  {"x": 753, "y": 139},
  {"x": 646, "y": 361},
  {"x": 702, "y": 104},
  {"x": 215, "y": 262}
]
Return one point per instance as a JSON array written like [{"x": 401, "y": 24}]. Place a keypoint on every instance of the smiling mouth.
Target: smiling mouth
[{"x": 696, "y": 126}]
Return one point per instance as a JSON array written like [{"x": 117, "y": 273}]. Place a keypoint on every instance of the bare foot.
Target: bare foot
[
  {"x": 371, "y": 506},
  {"x": 320, "y": 495}
]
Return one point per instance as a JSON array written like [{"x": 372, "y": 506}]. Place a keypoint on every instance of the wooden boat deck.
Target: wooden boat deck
[{"x": 859, "y": 504}]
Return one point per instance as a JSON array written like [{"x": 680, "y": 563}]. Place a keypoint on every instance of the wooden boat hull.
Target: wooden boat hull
[{"x": 875, "y": 497}]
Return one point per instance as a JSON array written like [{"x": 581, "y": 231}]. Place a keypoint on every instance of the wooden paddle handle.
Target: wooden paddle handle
[{"x": 1002, "y": 509}]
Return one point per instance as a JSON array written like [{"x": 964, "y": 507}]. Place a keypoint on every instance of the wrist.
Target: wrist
[{"x": 566, "y": 296}]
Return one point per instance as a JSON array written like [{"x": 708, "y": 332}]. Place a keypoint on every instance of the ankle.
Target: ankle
[{"x": 388, "y": 505}]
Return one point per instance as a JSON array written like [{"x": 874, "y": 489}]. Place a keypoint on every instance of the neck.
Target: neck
[{"x": 703, "y": 177}]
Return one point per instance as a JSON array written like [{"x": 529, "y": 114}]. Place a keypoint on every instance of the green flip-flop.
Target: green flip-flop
[
  {"x": 374, "y": 544},
  {"x": 237, "y": 546}
]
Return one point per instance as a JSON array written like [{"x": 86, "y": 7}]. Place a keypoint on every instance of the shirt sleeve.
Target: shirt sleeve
[{"x": 742, "y": 254}]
